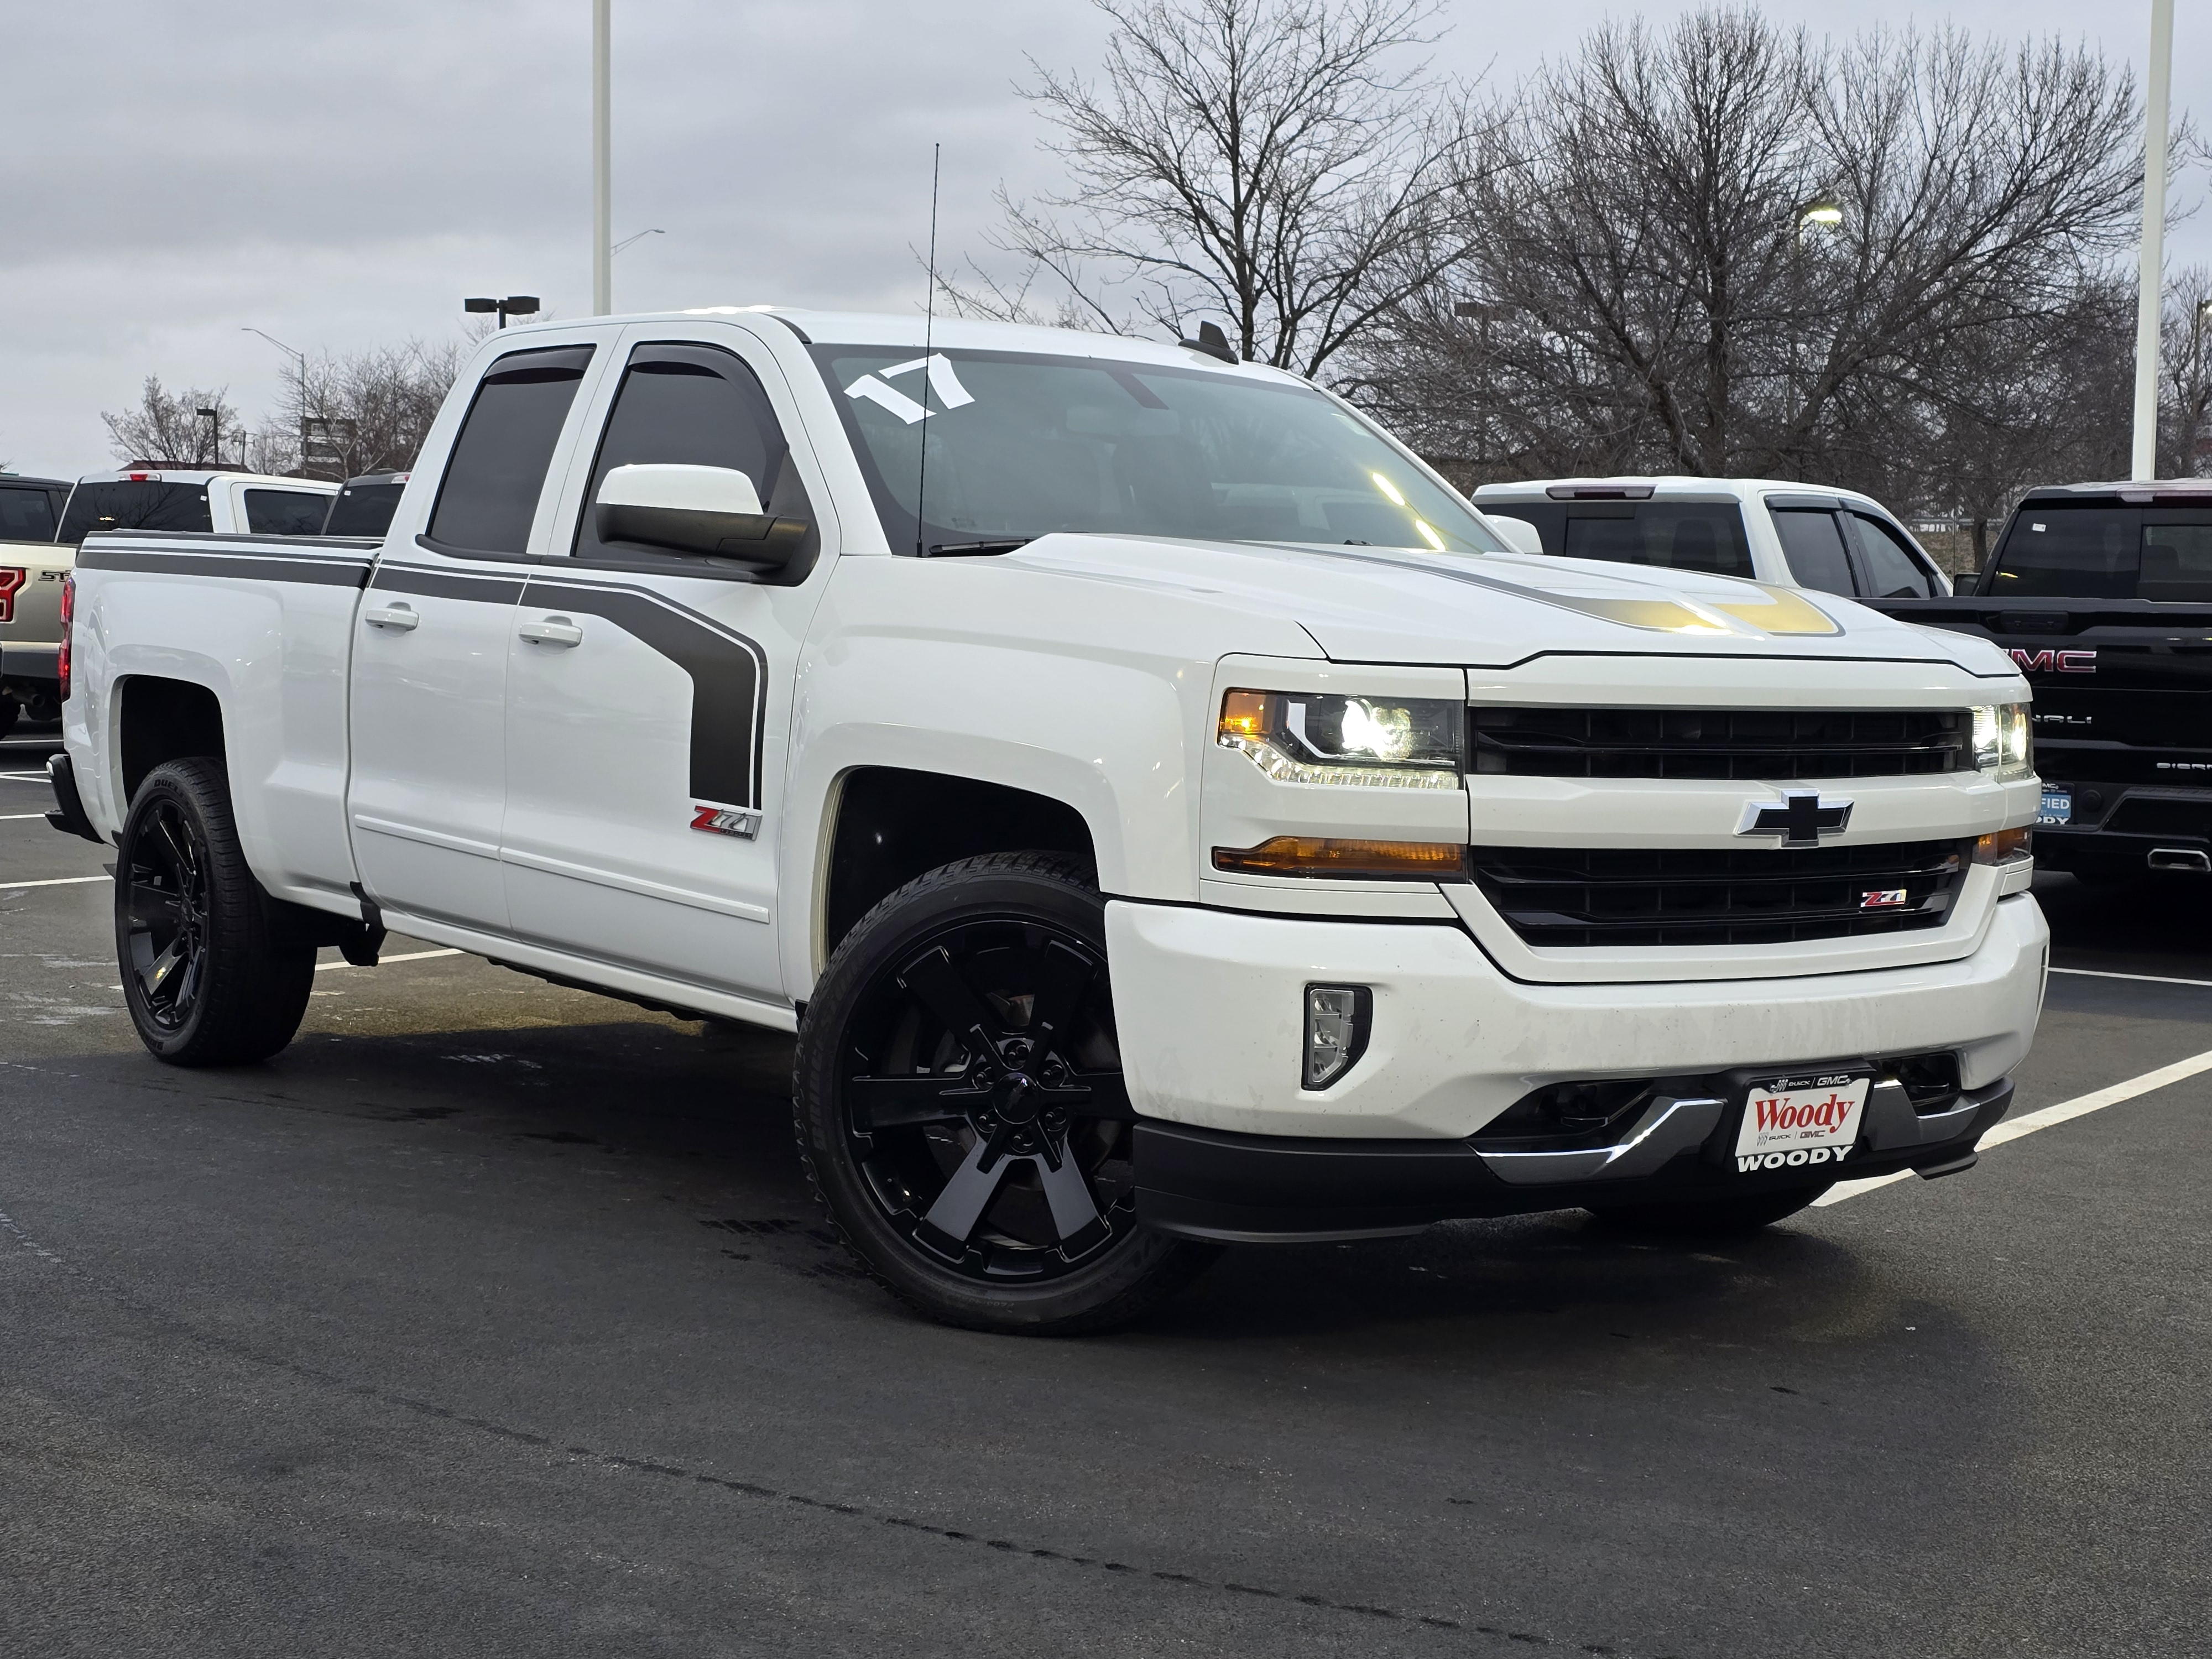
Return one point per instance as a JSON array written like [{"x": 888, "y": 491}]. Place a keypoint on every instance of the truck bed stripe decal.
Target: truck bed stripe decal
[{"x": 321, "y": 572}]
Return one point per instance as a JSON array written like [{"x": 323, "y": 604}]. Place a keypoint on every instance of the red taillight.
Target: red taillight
[
  {"x": 9, "y": 581},
  {"x": 68, "y": 616}
]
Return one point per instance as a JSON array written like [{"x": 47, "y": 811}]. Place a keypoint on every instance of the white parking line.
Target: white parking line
[
  {"x": 412, "y": 956},
  {"x": 2064, "y": 1111},
  {"x": 58, "y": 881},
  {"x": 10, "y": 817},
  {"x": 2147, "y": 979},
  {"x": 26, "y": 777}
]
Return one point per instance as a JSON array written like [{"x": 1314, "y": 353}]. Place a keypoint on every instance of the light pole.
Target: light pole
[
  {"x": 603, "y": 217},
  {"x": 2151, "y": 281},
  {"x": 214, "y": 418},
  {"x": 515, "y": 305}
]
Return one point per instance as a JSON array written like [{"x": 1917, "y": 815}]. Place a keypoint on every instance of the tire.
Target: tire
[
  {"x": 1712, "y": 1217},
  {"x": 205, "y": 981},
  {"x": 983, "y": 1179}
]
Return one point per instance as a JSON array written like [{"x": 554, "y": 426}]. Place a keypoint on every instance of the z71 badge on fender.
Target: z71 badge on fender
[{"x": 726, "y": 821}]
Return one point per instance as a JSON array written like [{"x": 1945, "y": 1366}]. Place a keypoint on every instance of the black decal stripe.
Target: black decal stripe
[
  {"x": 447, "y": 584},
  {"x": 322, "y": 573},
  {"x": 729, "y": 707}
]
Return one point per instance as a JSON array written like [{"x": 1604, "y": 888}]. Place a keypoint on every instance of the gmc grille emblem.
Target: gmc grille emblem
[
  {"x": 1801, "y": 820},
  {"x": 2055, "y": 662}
]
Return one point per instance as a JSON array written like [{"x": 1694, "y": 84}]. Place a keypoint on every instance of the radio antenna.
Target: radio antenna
[{"x": 928, "y": 369}]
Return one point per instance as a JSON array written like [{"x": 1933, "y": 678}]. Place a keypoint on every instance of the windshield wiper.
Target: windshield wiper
[{"x": 1006, "y": 545}]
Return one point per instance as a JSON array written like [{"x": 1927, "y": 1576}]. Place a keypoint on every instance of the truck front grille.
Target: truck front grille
[
  {"x": 1752, "y": 896},
  {"x": 1767, "y": 745}
]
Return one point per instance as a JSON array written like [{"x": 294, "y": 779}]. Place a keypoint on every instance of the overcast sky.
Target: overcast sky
[{"x": 177, "y": 173}]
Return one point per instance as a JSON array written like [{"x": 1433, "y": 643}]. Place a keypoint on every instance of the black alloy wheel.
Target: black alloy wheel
[
  {"x": 960, "y": 1097},
  {"x": 208, "y": 974},
  {"x": 163, "y": 910}
]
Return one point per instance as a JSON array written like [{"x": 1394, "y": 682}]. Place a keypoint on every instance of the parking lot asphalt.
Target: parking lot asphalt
[{"x": 493, "y": 1318}]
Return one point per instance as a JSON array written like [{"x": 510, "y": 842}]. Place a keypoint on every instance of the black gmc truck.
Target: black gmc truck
[{"x": 2102, "y": 593}]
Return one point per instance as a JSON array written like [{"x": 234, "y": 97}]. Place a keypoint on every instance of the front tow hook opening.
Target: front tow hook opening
[{"x": 2188, "y": 861}]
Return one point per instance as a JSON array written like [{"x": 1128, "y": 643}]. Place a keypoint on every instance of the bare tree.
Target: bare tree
[
  {"x": 2185, "y": 442},
  {"x": 1725, "y": 249},
  {"x": 1284, "y": 165},
  {"x": 365, "y": 411},
  {"x": 167, "y": 425}
]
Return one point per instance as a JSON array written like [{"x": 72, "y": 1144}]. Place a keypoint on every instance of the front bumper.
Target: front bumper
[
  {"x": 1201, "y": 1184},
  {"x": 1209, "y": 1005}
]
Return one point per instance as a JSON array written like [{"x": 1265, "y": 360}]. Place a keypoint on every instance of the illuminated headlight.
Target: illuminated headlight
[
  {"x": 1375, "y": 742},
  {"x": 2002, "y": 743}
]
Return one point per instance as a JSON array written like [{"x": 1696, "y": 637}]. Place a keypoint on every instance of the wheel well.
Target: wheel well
[
  {"x": 164, "y": 720},
  {"x": 894, "y": 824}
]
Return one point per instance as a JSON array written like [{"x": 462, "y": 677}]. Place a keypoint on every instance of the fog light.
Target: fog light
[{"x": 1337, "y": 1018}]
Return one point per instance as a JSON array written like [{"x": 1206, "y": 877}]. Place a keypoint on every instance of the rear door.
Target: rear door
[
  {"x": 649, "y": 692},
  {"x": 429, "y": 716}
]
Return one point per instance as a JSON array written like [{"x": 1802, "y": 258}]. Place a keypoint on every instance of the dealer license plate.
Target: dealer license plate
[
  {"x": 2057, "y": 807},
  {"x": 1807, "y": 1118}
]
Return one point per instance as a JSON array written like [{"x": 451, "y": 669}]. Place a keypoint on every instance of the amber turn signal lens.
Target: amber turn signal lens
[
  {"x": 1314, "y": 855},
  {"x": 2006, "y": 846}
]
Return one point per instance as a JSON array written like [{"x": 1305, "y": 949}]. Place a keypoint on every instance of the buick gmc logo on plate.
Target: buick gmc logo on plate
[{"x": 1790, "y": 1120}]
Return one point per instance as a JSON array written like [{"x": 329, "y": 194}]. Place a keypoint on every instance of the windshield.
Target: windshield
[
  {"x": 135, "y": 504},
  {"x": 2107, "y": 552},
  {"x": 1020, "y": 446}
]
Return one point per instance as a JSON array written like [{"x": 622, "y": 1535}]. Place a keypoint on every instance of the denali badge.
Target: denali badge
[
  {"x": 1885, "y": 898},
  {"x": 726, "y": 821},
  {"x": 1801, "y": 819}
]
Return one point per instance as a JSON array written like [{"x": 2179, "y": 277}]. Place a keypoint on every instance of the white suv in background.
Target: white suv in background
[
  {"x": 1792, "y": 535},
  {"x": 151, "y": 497}
]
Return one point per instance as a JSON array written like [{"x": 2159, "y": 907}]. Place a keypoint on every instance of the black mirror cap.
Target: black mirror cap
[
  {"x": 754, "y": 537},
  {"x": 1212, "y": 341}
]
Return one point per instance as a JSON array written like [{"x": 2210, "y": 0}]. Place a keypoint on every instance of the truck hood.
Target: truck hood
[{"x": 1493, "y": 610}]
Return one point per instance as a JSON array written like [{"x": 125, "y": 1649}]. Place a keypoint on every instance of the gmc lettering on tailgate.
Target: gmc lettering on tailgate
[{"x": 2062, "y": 662}]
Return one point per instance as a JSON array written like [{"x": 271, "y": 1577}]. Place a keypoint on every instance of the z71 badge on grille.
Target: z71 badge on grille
[
  {"x": 1885, "y": 898},
  {"x": 726, "y": 821}
]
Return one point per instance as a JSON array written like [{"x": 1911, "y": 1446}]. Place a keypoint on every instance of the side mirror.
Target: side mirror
[
  {"x": 694, "y": 509},
  {"x": 1516, "y": 533}
]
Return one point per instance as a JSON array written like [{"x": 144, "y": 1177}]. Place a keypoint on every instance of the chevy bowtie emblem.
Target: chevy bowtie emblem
[{"x": 1801, "y": 819}]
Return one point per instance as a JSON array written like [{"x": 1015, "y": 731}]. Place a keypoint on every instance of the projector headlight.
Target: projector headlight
[
  {"x": 1373, "y": 743},
  {"x": 2003, "y": 743}
]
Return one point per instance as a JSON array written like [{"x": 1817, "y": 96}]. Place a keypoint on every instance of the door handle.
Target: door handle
[
  {"x": 399, "y": 616},
  {"x": 553, "y": 630}
]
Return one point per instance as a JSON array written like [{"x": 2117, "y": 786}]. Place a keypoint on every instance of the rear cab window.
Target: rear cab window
[
  {"x": 488, "y": 499},
  {"x": 26, "y": 513},
  {"x": 1673, "y": 535},
  {"x": 285, "y": 512},
  {"x": 2105, "y": 549},
  {"x": 364, "y": 509},
  {"x": 135, "y": 504}
]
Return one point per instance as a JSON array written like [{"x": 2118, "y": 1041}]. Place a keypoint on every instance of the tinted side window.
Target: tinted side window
[
  {"x": 285, "y": 512},
  {"x": 363, "y": 509},
  {"x": 125, "y": 505},
  {"x": 1673, "y": 535},
  {"x": 1814, "y": 545},
  {"x": 2069, "y": 552},
  {"x": 26, "y": 515},
  {"x": 498, "y": 469},
  {"x": 697, "y": 405},
  {"x": 1894, "y": 572}
]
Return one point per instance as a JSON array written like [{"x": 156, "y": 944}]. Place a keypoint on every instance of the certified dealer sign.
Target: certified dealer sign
[{"x": 1801, "y": 1120}]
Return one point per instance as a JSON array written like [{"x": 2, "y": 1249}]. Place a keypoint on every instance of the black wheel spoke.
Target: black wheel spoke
[
  {"x": 154, "y": 907},
  {"x": 892, "y": 1103},
  {"x": 953, "y": 1217},
  {"x": 1063, "y": 975},
  {"x": 1092, "y": 1094},
  {"x": 935, "y": 980},
  {"x": 1075, "y": 1215},
  {"x": 154, "y": 975}
]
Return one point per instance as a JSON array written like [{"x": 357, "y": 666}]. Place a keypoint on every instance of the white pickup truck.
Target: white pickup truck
[{"x": 1163, "y": 809}]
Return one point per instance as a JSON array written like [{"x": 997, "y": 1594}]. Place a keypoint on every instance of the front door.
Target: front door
[
  {"x": 430, "y": 662},
  {"x": 649, "y": 692}
]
